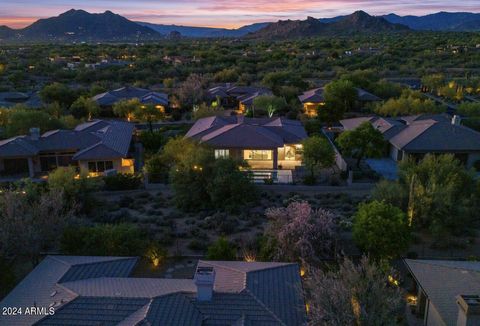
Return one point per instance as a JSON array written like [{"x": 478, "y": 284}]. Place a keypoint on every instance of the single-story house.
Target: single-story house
[
  {"x": 415, "y": 136},
  {"x": 94, "y": 147},
  {"x": 445, "y": 292},
  {"x": 265, "y": 143},
  {"x": 239, "y": 97},
  {"x": 92, "y": 290},
  {"x": 29, "y": 99},
  {"x": 108, "y": 99},
  {"x": 313, "y": 99}
]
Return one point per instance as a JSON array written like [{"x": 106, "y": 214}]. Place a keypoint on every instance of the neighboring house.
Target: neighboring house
[
  {"x": 312, "y": 100},
  {"x": 264, "y": 143},
  {"x": 108, "y": 99},
  {"x": 446, "y": 292},
  {"x": 415, "y": 136},
  {"x": 94, "y": 147},
  {"x": 238, "y": 97},
  {"x": 30, "y": 99},
  {"x": 86, "y": 290}
]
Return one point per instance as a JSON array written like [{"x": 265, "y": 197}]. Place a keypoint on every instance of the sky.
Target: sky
[{"x": 222, "y": 13}]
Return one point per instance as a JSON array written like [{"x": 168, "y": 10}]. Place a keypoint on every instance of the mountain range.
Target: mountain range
[
  {"x": 79, "y": 26},
  {"x": 358, "y": 22}
]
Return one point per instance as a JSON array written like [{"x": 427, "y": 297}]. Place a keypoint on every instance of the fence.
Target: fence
[{"x": 339, "y": 160}]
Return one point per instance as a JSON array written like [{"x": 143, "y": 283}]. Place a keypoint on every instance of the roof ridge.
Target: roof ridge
[
  {"x": 416, "y": 136},
  {"x": 264, "y": 306},
  {"x": 437, "y": 263}
]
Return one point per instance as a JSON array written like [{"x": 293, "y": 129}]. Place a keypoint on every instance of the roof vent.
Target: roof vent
[
  {"x": 468, "y": 310},
  {"x": 204, "y": 280},
  {"x": 35, "y": 133}
]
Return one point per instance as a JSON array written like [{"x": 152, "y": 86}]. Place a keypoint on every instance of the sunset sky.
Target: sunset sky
[{"x": 222, "y": 13}]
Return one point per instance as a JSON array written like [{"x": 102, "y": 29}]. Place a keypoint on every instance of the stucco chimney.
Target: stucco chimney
[
  {"x": 34, "y": 133},
  {"x": 468, "y": 310},
  {"x": 456, "y": 120},
  {"x": 204, "y": 280}
]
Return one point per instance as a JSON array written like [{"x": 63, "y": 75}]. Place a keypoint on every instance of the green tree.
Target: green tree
[
  {"x": 443, "y": 195},
  {"x": 409, "y": 103},
  {"x": 381, "y": 230},
  {"x": 266, "y": 104},
  {"x": 221, "y": 250},
  {"x": 469, "y": 109},
  {"x": 340, "y": 97},
  {"x": 318, "y": 153},
  {"x": 433, "y": 82},
  {"x": 20, "y": 122},
  {"x": 59, "y": 93},
  {"x": 363, "y": 141},
  {"x": 149, "y": 114},
  {"x": 126, "y": 108},
  {"x": 84, "y": 107}
]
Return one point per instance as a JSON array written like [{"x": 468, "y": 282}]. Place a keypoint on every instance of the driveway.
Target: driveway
[{"x": 386, "y": 167}]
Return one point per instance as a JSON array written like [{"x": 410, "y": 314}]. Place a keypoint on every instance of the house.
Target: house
[
  {"x": 313, "y": 99},
  {"x": 239, "y": 97},
  {"x": 89, "y": 290},
  {"x": 416, "y": 136},
  {"x": 445, "y": 292},
  {"x": 264, "y": 143},
  {"x": 94, "y": 147},
  {"x": 108, "y": 99},
  {"x": 29, "y": 99}
]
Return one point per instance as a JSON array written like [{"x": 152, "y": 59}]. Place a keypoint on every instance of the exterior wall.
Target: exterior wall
[
  {"x": 121, "y": 165},
  {"x": 393, "y": 153},
  {"x": 432, "y": 317},
  {"x": 472, "y": 158}
]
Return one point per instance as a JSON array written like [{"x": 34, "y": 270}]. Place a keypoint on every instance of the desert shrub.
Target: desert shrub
[
  {"x": 122, "y": 181},
  {"x": 222, "y": 249}
]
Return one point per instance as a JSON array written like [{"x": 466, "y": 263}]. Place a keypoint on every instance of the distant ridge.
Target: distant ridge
[
  {"x": 358, "y": 22},
  {"x": 207, "y": 32},
  {"x": 440, "y": 21}
]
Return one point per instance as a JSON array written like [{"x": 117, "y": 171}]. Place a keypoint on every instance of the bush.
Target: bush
[
  {"x": 152, "y": 141},
  {"x": 122, "y": 181},
  {"x": 104, "y": 240},
  {"x": 222, "y": 250},
  {"x": 381, "y": 229}
]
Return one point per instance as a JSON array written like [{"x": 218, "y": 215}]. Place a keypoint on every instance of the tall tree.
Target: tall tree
[
  {"x": 381, "y": 230},
  {"x": 318, "y": 153},
  {"x": 340, "y": 97},
  {"x": 126, "y": 108},
  {"x": 355, "y": 294},
  {"x": 191, "y": 91},
  {"x": 149, "y": 113},
  {"x": 363, "y": 141},
  {"x": 84, "y": 107}
]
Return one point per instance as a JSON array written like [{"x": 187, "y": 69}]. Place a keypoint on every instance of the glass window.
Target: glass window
[
  {"x": 92, "y": 167},
  {"x": 100, "y": 166},
  {"x": 222, "y": 153},
  {"x": 108, "y": 165},
  {"x": 259, "y": 155}
]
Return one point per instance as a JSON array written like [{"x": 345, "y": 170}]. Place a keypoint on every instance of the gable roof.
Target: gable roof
[
  {"x": 98, "y": 290},
  {"x": 313, "y": 95},
  {"x": 98, "y": 139},
  {"x": 241, "y": 132},
  {"x": 422, "y": 133},
  {"x": 443, "y": 280},
  {"x": 316, "y": 96},
  {"x": 244, "y": 94},
  {"x": 128, "y": 92}
]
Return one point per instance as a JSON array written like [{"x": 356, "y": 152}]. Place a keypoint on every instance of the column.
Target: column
[
  {"x": 31, "y": 171},
  {"x": 275, "y": 159}
]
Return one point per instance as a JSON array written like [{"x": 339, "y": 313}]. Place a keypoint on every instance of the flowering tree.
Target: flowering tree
[{"x": 300, "y": 232}]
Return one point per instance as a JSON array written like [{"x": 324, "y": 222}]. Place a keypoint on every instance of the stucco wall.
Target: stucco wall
[{"x": 433, "y": 317}]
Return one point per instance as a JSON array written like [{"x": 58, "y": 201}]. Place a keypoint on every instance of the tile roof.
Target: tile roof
[
  {"x": 241, "y": 132},
  {"x": 244, "y": 94},
  {"x": 98, "y": 139},
  {"x": 421, "y": 133},
  {"x": 316, "y": 96},
  {"x": 98, "y": 291},
  {"x": 125, "y": 93},
  {"x": 443, "y": 280}
]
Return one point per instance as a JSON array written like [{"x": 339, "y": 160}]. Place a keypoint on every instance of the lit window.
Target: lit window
[
  {"x": 258, "y": 155},
  {"x": 222, "y": 153}
]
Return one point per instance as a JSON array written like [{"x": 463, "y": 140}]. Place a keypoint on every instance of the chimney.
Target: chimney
[
  {"x": 456, "y": 120},
  {"x": 204, "y": 280},
  {"x": 468, "y": 310},
  {"x": 34, "y": 133}
]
